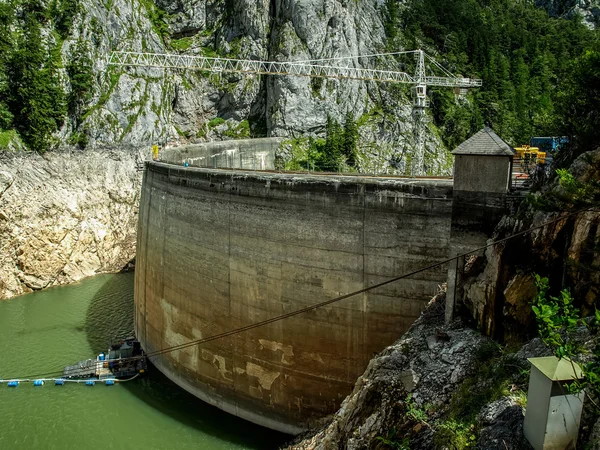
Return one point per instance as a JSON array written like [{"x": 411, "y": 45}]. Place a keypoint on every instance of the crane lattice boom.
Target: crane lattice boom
[
  {"x": 310, "y": 69},
  {"x": 306, "y": 69}
]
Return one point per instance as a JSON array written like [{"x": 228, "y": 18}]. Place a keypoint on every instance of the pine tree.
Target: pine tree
[
  {"x": 579, "y": 101},
  {"x": 350, "y": 141},
  {"x": 333, "y": 144},
  {"x": 520, "y": 52},
  {"x": 81, "y": 76},
  {"x": 66, "y": 11},
  {"x": 391, "y": 14},
  {"x": 6, "y": 19},
  {"x": 38, "y": 99}
]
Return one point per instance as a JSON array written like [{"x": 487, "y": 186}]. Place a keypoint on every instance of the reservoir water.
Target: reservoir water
[{"x": 44, "y": 331}]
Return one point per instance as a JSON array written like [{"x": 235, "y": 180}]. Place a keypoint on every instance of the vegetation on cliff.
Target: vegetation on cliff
[
  {"x": 533, "y": 79},
  {"x": 33, "y": 98},
  {"x": 337, "y": 152},
  {"x": 535, "y": 68}
]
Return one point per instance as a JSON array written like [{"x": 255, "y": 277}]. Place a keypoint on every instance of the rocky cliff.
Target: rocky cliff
[
  {"x": 65, "y": 216},
  {"x": 498, "y": 289},
  {"x": 589, "y": 10},
  {"x": 141, "y": 105}
]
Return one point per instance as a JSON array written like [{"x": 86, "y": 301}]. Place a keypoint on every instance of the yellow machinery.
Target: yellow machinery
[{"x": 531, "y": 154}]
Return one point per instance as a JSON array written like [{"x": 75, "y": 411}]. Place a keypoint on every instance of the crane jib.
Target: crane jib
[
  {"x": 205, "y": 63},
  {"x": 420, "y": 80}
]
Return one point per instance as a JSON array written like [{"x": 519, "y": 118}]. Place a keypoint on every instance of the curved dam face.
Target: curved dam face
[{"x": 220, "y": 249}]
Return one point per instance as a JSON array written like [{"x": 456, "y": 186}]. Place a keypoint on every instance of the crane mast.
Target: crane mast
[
  {"x": 315, "y": 69},
  {"x": 419, "y": 115}
]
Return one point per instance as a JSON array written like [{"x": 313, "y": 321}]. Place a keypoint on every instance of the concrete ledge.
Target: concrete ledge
[
  {"x": 253, "y": 154},
  {"x": 441, "y": 188}
]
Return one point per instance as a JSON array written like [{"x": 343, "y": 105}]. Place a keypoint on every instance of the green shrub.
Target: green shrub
[
  {"x": 453, "y": 435},
  {"x": 240, "y": 131},
  {"x": 158, "y": 17},
  {"x": 182, "y": 44},
  {"x": 558, "y": 323},
  {"x": 216, "y": 122},
  {"x": 81, "y": 140},
  {"x": 6, "y": 137},
  {"x": 391, "y": 441}
]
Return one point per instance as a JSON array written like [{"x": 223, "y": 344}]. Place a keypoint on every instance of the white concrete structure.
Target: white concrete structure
[{"x": 553, "y": 415}]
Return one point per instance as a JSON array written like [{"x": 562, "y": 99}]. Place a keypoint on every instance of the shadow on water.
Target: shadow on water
[{"x": 110, "y": 318}]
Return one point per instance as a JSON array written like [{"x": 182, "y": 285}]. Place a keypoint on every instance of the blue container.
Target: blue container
[
  {"x": 59, "y": 382},
  {"x": 38, "y": 382},
  {"x": 101, "y": 357},
  {"x": 110, "y": 382},
  {"x": 90, "y": 383},
  {"x": 12, "y": 384}
]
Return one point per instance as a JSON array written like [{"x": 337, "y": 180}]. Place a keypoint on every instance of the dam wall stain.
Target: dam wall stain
[{"x": 220, "y": 249}]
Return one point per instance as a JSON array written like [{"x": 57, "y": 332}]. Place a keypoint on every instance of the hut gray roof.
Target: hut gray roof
[{"x": 484, "y": 142}]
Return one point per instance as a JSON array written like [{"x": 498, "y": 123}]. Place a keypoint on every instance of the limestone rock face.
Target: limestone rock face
[
  {"x": 589, "y": 10},
  {"x": 519, "y": 287},
  {"x": 126, "y": 108},
  {"x": 314, "y": 29},
  {"x": 140, "y": 106},
  {"x": 185, "y": 16},
  {"x": 65, "y": 216}
]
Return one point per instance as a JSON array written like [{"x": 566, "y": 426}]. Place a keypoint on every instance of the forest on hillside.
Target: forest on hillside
[
  {"x": 33, "y": 99},
  {"x": 541, "y": 75}
]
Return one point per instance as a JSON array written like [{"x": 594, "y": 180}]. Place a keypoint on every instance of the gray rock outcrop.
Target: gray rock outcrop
[
  {"x": 589, "y": 10},
  {"x": 501, "y": 425},
  {"x": 65, "y": 216},
  {"x": 138, "y": 106},
  {"x": 563, "y": 250}
]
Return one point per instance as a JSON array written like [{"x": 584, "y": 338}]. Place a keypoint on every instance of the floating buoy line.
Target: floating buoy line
[
  {"x": 63, "y": 381},
  {"x": 125, "y": 362}
]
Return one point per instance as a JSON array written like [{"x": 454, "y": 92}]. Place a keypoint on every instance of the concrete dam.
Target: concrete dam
[{"x": 220, "y": 249}]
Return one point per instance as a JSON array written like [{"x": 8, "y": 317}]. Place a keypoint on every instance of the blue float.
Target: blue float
[
  {"x": 90, "y": 383},
  {"x": 59, "y": 382},
  {"x": 101, "y": 357},
  {"x": 109, "y": 382},
  {"x": 12, "y": 383},
  {"x": 38, "y": 382}
]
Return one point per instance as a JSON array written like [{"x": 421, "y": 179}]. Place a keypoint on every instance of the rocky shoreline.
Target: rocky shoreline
[{"x": 66, "y": 215}]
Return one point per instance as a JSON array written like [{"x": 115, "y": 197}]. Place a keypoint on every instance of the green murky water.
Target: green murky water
[{"x": 44, "y": 331}]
